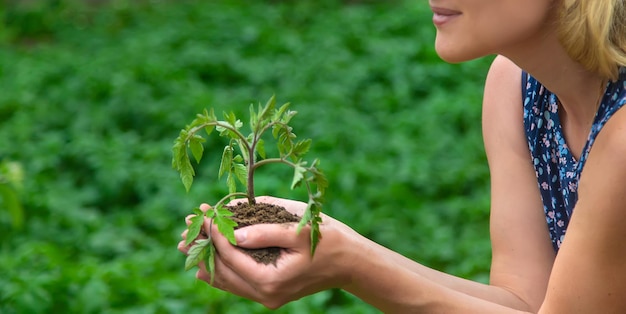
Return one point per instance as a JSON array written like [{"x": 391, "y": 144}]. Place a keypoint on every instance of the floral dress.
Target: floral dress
[{"x": 557, "y": 170}]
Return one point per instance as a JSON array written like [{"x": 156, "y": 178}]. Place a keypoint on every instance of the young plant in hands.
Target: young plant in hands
[{"x": 241, "y": 157}]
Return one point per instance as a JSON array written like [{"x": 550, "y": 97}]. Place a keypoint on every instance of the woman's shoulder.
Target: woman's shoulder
[
  {"x": 503, "y": 83},
  {"x": 502, "y": 108},
  {"x": 503, "y": 88},
  {"x": 503, "y": 68},
  {"x": 609, "y": 130}
]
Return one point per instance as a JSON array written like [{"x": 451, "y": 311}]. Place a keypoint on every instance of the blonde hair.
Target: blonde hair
[{"x": 594, "y": 34}]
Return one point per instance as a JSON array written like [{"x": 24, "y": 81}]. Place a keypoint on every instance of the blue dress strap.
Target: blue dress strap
[{"x": 557, "y": 171}]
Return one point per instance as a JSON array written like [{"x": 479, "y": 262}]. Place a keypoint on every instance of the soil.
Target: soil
[{"x": 246, "y": 215}]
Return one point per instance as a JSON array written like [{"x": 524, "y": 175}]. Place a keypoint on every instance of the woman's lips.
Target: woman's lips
[{"x": 442, "y": 16}]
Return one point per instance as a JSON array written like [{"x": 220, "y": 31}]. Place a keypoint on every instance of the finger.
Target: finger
[
  {"x": 188, "y": 219},
  {"x": 226, "y": 279},
  {"x": 186, "y": 231},
  {"x": 258, "y": 288},
  {"x": 205, "y": 207},
  {"x": 182, "y": 247},
  {"x": 243, "y": 264},
  {"x": 204, "y": 275},
  {"x": 272, "y": 235}
]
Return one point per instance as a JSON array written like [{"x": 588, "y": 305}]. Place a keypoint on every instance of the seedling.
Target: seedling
[{"x": 241, "y": 157}]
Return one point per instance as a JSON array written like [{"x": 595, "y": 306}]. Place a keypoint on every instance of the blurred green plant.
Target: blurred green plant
[
  {"x": 11, "y": 179},
  {"x": 94, "y": 91}
]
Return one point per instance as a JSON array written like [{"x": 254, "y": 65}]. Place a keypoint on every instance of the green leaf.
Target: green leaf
[
  {"x": 209, "y": 262},
  {"x": 260, "y": 148},
  {"x": 231, "y": 183},
  {"x": 253, "y": 119},
  {"x": 186, "y": 172},
  {"x": 318, "y": 177},
  {"x": 306, "y": 217},
  {"x": 227, "y": 158},
  {"x": 267, "y": 109},
  {"x": 283, "y": 135},
  {"x": 179, "y": 149},
  {"x": 243, "y": 148},
  {"x": 285, "y": 118},
  {"x": 321, "y": 182},
  {"x": 196, "y": 253},
  {"x": 210, "y": 115},
  {"x": 209, "y": 129},
  {"x": 224, "y": 131},
  {"x": 180, "y": 159},
  {"x": 210, "y": 214},
  {"x": 315, "y": 233},
  {"x": 301, "y": 148},
  {"x": 298, "y": 175},
  {"x": 276, "y": 129},
  {"x": 195, "y": 143},
  {"x": 226, "y": 128},
  {"x": 8, "y": 197},
  {"x": 209, "y": 121},
  {"x": 241, "y": 172},
  {"x": 224, "y": 212},
  {"x": 311, "y": 217},
  {"x": 230, "y": 117},
  {"x": 225, "y": 225},
  {"x": 278, "y": 114},
  {"x": 195, "y": 227},
  {"x": 232, "y": 121}
]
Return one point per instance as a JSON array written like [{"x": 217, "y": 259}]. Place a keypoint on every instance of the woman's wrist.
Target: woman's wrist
[
  {"x": 344, "y": 248},
  {"x": 379, "y": 279}
]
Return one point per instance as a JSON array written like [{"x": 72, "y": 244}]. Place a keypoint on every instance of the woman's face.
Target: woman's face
[{"x": 469, "y": 29}]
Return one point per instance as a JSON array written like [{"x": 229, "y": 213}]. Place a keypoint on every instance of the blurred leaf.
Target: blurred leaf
[
  {"x": 92, "y": 95},
  {"x": 11, "y": 203}
]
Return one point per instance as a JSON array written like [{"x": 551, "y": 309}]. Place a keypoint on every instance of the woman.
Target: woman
[{"x": 551, "y": 109}]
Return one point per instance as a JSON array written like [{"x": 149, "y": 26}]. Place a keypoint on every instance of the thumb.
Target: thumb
[{"x": 271, "y": 235}]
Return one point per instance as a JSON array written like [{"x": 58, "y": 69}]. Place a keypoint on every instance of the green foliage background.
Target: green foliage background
[{"x": 92, "y": 94}]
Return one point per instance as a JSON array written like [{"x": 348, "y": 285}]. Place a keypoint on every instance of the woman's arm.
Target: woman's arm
[
  {"x": 522, "y": 251},
  {"x": 522, "y": 255},
  {"x": 589, "y": 273}
]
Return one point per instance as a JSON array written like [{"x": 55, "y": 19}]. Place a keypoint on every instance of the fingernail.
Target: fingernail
[{"x": 240, "y": 236}]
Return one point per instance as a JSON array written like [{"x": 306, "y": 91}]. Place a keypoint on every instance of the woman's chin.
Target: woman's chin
[
  {"x": 456, "y": 53},
  {"x": 457, "y": 56}
]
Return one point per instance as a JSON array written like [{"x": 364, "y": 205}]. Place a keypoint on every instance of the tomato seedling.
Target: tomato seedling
[{"x": 241, "y": 157}]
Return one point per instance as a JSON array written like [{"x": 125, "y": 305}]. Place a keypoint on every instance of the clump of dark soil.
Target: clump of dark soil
[{"x": 245, "y": 214}]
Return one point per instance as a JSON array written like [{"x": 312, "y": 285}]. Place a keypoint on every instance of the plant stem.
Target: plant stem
[
  {"x": 273, "y": 161},
  {"x": 251, "y": 167},
  {"x": 218, "y": 204}
]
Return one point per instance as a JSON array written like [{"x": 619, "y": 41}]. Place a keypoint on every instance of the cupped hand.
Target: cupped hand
[{"x": 296, "y": 273}]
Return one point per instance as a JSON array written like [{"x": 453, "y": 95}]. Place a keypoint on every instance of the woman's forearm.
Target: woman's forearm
[{"x": 394, "y": 284}]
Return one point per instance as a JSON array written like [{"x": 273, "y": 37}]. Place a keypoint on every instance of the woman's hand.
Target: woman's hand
[{"x": 296, "y": 273}]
